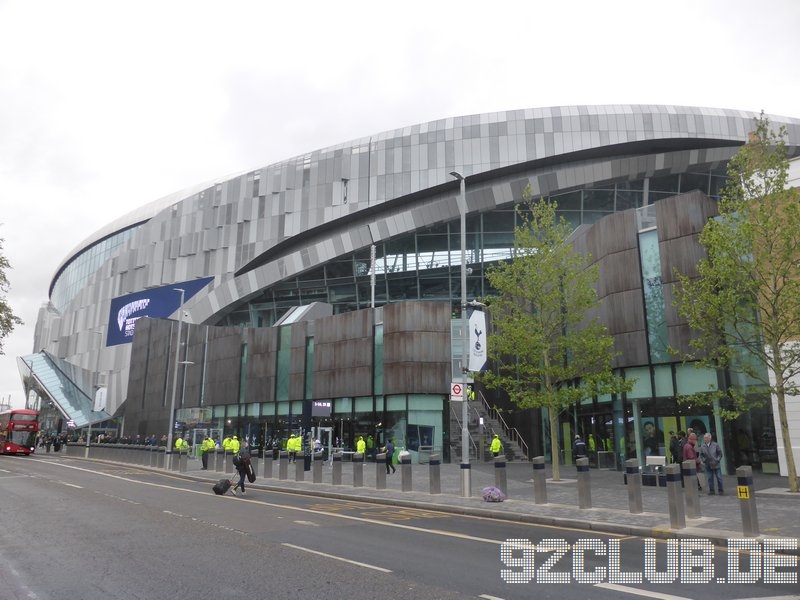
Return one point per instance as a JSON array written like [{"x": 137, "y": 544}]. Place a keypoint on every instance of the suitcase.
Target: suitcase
[
  {"x": 251, "y": 473},
  {"x": 222, "y": 486}
]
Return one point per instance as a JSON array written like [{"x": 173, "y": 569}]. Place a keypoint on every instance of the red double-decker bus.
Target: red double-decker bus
[{"x": 18, "y": 429}]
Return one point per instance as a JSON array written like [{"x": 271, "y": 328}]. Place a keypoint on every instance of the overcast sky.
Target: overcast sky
[{"x": 106, "y": 106}]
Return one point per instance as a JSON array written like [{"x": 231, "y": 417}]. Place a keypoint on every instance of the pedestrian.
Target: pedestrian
[
  {"x": 240, "y": 462},
  {"x": 690, "y": 453},
  {"x": 208, "y": 444},
  {"x": 497, "y": 446},
  {"x": 711, "y": 455},
  {"x": 291, "y": 448},
  {"x": 579, "y": 448},
  {"x": 675, "y": 451},
  {"x": 235, "y": 445},
  {"x": 389, "y": 450},
  {"x": 361, "y": 445}
]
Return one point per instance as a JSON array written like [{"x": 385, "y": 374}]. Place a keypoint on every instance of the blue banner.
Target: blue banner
[{"x": 158, "y": 303}]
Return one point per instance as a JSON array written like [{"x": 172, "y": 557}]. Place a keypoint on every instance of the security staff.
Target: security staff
[
  {"x": 496, "y": 446},
  {"x": 235, "y": 445}
]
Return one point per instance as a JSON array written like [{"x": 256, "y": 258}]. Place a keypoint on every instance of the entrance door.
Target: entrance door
[{"x": 325, "y": 436}]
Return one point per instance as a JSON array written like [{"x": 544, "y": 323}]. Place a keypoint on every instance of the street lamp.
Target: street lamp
[
  {"x": 175, "y": 379},
  {"x": 466, "y": 477}
]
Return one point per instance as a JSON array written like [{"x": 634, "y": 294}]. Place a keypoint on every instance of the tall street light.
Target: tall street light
[
  {"x": 175, "y": 379},
  {"x": 466, "y": 477}
]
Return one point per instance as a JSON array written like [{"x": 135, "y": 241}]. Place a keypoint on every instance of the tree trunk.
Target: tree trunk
[
  {"x": 787, "y": 442},
  {"x": 553, "y": 414}
]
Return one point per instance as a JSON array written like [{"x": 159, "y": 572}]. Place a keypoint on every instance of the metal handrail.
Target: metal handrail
[
  {"x": 511, "y": 433},
  {"x": 458, "y": 421}
]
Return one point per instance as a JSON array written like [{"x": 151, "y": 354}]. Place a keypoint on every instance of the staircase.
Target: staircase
[{"x": 514, "y": 446}]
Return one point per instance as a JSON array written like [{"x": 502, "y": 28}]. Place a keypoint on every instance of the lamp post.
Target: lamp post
[
  {"x": 175, "y": 380},
  {"x": 466, "y": 477}
]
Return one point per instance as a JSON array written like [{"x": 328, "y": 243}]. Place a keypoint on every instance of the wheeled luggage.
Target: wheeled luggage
[{"x": 222, "y": 486}]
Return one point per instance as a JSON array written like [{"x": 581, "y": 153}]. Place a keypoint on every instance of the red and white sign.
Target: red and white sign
[{"x": 456, "y": 391}]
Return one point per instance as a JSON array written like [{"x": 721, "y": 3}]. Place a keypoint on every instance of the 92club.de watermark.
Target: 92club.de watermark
[{"x": 670, "y": 561}]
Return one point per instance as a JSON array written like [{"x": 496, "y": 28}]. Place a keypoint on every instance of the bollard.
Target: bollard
[
  {"x": 689, "y": 472},
  {"x": 299, "y": 468},
  {"x": 283, "y": 465},
  {"x": 434, "y": 474},
  {"x": 268, "y": 460},
  {"x": 584, "y": 489},
  {"x": 227, "y": 460},
  {"x": 677, "y": 515},
  {"x": 219, "y": 460},
  {"x": 162, "y": 458},
  {"x": 634, "y": 479},
  {"x": 539, "y": 481},
  {"x": 747, "y": 501},
  {"x": 500, "y": 477},
  {"x": 336, "y": 468},
  {"x": 183, "y": 461},
  {"x": 316, "y": 468},
  {"x": 358, "y": 470},
  {"x": 405, "y": 472},
  {"x": 380, "y": 471}
]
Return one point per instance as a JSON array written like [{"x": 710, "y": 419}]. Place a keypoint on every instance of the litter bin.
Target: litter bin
[{"x": 306, "y": 462}]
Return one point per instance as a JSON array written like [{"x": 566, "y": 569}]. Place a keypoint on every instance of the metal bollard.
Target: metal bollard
[
  {"x": 268, "y": 460},
  {"x": 405, "y": 472},
  {"x": 336, "y": 469},
  {"x": 380, "y": 471},
  {"x": 283, "y": 465},
  {"x": 316, "y": 468},
  {"x": 219, "y": 460},
  {"x": 183, "y": 462},
  {"x": 584, "y": 489},
  {"x": 689, "y": 472},
  {"x": 747, "y": 501},
  {"x": 299, "y": 468},
  {"x": 227, "y": 462},
  {"x": 500, "y": 477},
  {"x": 434, "y": 474},
  {"x": 358, "y": 470},
  {"x": 677, "y": 515},
  {"x": 634, "y": 479},
  {"x": 539, "y": 481}
]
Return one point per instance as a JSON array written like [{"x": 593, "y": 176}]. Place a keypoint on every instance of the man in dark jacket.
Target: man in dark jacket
[{"x": 711, "y": 455}]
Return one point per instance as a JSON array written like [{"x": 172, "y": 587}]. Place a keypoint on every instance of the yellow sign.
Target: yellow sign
[{"x": 743, "y": 492}]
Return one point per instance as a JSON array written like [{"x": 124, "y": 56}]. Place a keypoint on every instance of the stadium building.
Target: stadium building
[{"x": 324, "y": 291}]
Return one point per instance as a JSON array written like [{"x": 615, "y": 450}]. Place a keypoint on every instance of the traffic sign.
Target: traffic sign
[{"x": 456, "y": 391}]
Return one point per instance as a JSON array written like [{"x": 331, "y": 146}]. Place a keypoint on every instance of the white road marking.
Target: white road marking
[
  {"x": 637, "y": 592},
  {"x": 488, "y": 597},
  {"x": 80, "y": 487},
  {"x": 311, "y": 523},
  {"x": 334, "y": 557}
]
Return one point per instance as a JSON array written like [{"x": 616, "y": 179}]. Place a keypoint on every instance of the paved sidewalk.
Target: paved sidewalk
[{"x": 778, "y": 510}]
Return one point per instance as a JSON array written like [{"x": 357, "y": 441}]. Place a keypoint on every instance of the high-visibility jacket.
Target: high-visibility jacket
[
  {"x": 496, "y": 445},
  {"x": 235, "y": 445},
  {"x": 226, "y": 443},
  {"x": 208, "y": 444},
  {"x": 361, "y": 446},
  {"x": 180, "y": 444}
]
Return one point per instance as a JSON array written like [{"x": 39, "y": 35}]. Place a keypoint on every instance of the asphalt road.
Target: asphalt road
[{"x": 83, "y": 530}]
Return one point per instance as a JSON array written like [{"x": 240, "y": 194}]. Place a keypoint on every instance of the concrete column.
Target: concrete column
[
  {"x": 283, "y": 465},
  {"x": 690, "y": 496},
  {"x": 539, "y": 481},
  {"x": 500, "y": 477},
  {"x": 747, "y": 501},
  {"x": 634, "y": 478},
  {"x": 434, "y": 474},
  {"x": 358, "y": 470},
  {"x": 336, "y": 468},
  {"x": 405, "y": 472},
  {"x": 677, "y": 515},
  {"x": 584, "y": 486},
  {"x": 380, "y": 471}
]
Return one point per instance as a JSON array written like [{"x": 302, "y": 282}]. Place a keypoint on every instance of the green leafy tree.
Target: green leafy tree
[
  {"x": 8, "y": 320},
  {"x": 743, "y": 304},
  {"x": 545, "y": 350}
]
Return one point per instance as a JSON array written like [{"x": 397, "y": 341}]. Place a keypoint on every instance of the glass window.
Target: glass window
[
  {"x": 653, "y": 296},
  {"x": 662, "y": 374},
  {"x": 667, "y": 183},
  {"x": 694, "y": 181},
  {"x": 395, "y": 403},
  {"x": 598, "y": 200},
  {"x": 693, "y": 380},
  {"x": 568, "y": 201},
  {"x": 629, "y": 199},
  {"x": 641, "y": 387}
]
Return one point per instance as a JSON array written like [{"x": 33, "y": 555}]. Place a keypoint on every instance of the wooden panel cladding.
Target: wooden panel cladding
[
  {"x": 224, "y": 362},
  {"x": 343, "y": 355},
  {"x": 680, "y": 221},
  {"x": 416, "y": 348},
  {"x": 262, "y": 348},
  {"x": 297, "y": 361}
]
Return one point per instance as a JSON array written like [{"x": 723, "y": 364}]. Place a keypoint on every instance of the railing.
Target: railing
[
  {"x": 461, "y": 429},
  {"x": 511, "y": 433}
]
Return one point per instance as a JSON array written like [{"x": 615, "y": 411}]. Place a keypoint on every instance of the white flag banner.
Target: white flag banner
[
  {"x": 99, "y": 399},
  {"x": 477, "y": 340}
]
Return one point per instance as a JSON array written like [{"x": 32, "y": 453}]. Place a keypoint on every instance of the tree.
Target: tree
[
  {"x": 545, "y": 351},
  {"x": 743, "y": 305},
  {"x": 8, "y": 320}
]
